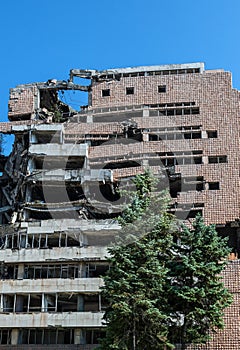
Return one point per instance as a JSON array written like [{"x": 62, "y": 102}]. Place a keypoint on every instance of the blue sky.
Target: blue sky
[{"x": 45, "y": 39}]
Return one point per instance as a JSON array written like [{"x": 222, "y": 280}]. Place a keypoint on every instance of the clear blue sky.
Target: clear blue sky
[{"x": 45, "y": 39}]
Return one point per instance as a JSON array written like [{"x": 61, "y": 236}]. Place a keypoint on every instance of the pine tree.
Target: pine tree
[
  {"x": 164, "y": 284},
  {"x": 197, "y": 294},
  {"x": 134, "y": 287}
]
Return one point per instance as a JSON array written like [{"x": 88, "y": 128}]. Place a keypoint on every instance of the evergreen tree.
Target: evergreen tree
[
  {"x": 197, "y": 296},
  {"x": 163, "y": 286}
]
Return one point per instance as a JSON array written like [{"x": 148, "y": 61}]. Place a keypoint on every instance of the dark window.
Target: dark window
[
  {"x": 162, "y": 88},
  {"x": 129, "y": 90},
  {"x": 105, "y": 92},
  {"x": 213, "y": 185},
  {"x": 217, "y": 159},
  {"x": 212, "y": 134}
]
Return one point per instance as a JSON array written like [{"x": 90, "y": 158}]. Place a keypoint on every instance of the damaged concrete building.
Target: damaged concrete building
[{"x": 59, "y": 195}]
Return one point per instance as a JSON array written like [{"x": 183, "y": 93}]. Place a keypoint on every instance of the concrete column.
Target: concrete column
[
  {"x": 31, "y": 165},
  {"x": 79, "y": 336},
  {"x": 14, "y": 336},
  {"x": 145, "y": 112},
  {"x": 28, "y": 195},
  {"x": 33, "y": 138},
  {"x": 43, "y": 306},
  {"x": 145, "y": 163},
  {"x": 23, "y": 241},
  {"x": 145, "y": 137},
  {"x": 83, "y": 270},
  {"x": 1, "y": 303},
  {"x": 80, "y": 303},
  {"x": 19, "y": 303},
  {"x": 20, "y": 274},
  {"x": 89, "y": 119}
]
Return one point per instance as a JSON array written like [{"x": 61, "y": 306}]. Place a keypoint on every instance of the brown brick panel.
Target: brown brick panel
[
  {"x": 92, "y": 128},
  {"x": 6, "y": 127},
  {"x": 145, "y": 148},
  {"x": 197, "y": 87},
  {"x": 22, "y": 101}
]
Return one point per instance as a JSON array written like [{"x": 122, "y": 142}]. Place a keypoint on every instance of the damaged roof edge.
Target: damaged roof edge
[
  {"x": 53, "y": 84},
  {"x": 88, "y": 74}
]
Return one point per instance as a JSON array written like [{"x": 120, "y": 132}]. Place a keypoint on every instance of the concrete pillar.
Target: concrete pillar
[
  {"x": 80, "y": 303},
  {"x": 145, "y": 137},
  {"x": 89, "y": 119},
  {"x": 23, "y": 241},
  {"x": 79, "y": 336},
  {"x": 145, "y": 112},
  {"x": 1, "y": 303},
  {"x": 20, "y": 274},
  {"x": 83, "y": 270},
  {"x": 31, "y": 166},
  {"x": 28, "y": 195},
  {"x": 43, "y": 306},
  {"x": 19, "y": 303},
  {"x": 145, "y": 163},
  {"x": 33, "y": 138},
  {"x": 14, "y": 336}
]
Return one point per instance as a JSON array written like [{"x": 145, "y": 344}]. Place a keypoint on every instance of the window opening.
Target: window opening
[
  {"x": 213, "y": 185},
  {"x": 129, "y": 90},
  {"x": 162, "y": 88},
  {"x": 105, "y": 92},
  {"x": 217, "y": 159},
  {"x": 212, "y": 134}
]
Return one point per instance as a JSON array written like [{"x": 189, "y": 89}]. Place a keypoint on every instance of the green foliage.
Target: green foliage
[
  {"x": 163, "y": 286},
  {"x": 198, "y": 296}
]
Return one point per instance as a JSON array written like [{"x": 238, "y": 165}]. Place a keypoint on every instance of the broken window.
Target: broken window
[
  {"x": 96, "y": 270},
  {"x": 8, "y": 302},
  {"x": 51, "y": 271},
  {"x": 46, "y": 336},
  {"x": 5, "y": 336},
  {"x": 162, "y": 88},
  {"x": 213, "y": 185},
  {"x": 193, "y": 183},
  {"x": 67, "y": 302},
  {"x": 217, "y": 159},
  {"x": 193, "y": 135},
  {"x": 91, "y": 302},
  {"x": 178, "y": 111},
  {"x": 212, "y": 134},
  {"x": 129, "y": 90},
  {"x": 105, "y": 92},
  {"x": 93, "y": 336}
]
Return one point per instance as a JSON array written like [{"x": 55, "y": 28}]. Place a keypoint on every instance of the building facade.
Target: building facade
[{"x": 59, "y": 187}]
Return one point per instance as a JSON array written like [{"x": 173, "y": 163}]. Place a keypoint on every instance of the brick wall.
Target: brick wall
[{"x": 22, "y": 101}]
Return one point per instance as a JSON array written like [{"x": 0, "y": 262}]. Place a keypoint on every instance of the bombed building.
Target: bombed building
[{"x": 59, "y": 197}]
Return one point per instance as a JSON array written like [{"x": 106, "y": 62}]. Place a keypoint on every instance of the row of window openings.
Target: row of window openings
[
  {"x": 130, "y": 90},
  {"x": 181, "y": 135},
  {"x": 197, "y": 184},
  {"x": 50, "y": 336},
  {"x": 168, "y": 162},
  {"x": 83, "y": 270},
  {"x": 52, "y": 302},
  {"x": 150, "y": 73},
  {"x": 41, "y": 241},
  {"x": 164, "y": 134}
]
